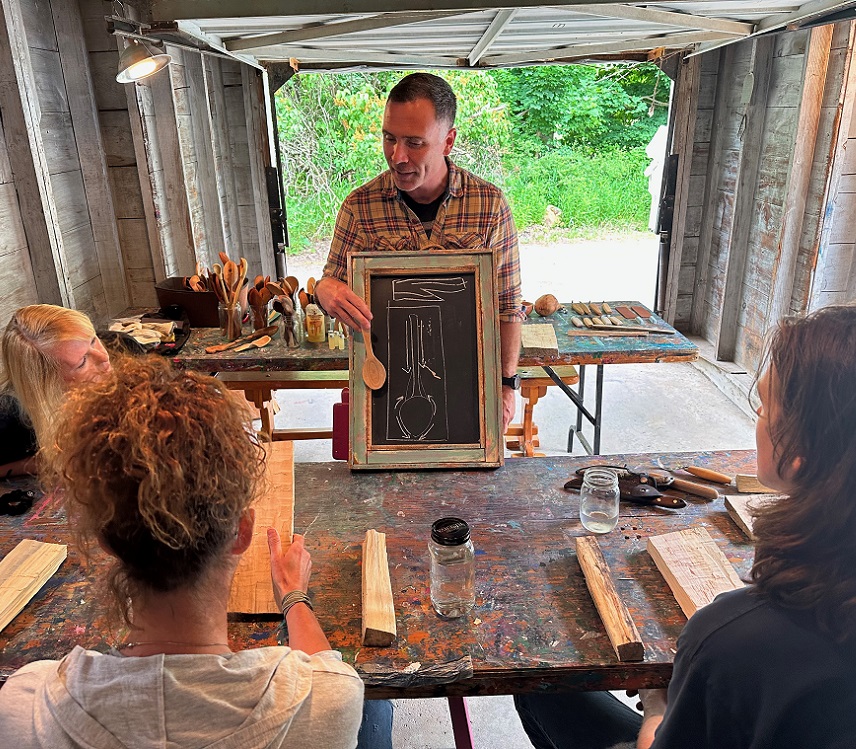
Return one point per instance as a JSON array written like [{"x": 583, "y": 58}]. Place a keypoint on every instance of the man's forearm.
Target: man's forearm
[{"x": 509, "y": 336}]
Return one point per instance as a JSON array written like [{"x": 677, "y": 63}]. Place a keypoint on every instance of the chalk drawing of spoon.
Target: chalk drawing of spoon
[{"x": 415, "y": 410}]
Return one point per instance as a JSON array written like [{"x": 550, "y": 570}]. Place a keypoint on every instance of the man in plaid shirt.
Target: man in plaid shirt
[{"x": 425, "y": 201}]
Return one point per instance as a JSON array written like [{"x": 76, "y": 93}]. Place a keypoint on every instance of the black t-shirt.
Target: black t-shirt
[
  {"x": 425, "y": 212},
  {"x": 751, "y": 675},
  {"x": 17, "y": 438}
]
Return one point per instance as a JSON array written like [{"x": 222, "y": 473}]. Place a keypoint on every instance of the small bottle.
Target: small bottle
[
  {"x": 453, "y": 590},
  {"x": 599, "y": 498},
  {"x": 315, "y": 332}
]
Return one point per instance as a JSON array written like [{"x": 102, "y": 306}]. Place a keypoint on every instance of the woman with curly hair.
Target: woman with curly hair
[
  {"x": 158, "y": 468},
  {"x": 771, "y": 665},
  {"x": 46, "y": 351}
]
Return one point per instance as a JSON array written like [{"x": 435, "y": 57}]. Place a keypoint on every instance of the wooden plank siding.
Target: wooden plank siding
[
  {"x": 76, "y": 248},
  {"x": 753, "y": 261},
  {"x": 834, "y": 252},
  {"x": 28, "y": 163}
]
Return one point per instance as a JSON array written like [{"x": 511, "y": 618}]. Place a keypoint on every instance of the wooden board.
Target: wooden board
[
  {"x": 740, "y": 508},
  {"x": 694, "y": 567},
  {"x": 23, "y": 571},
  {"x": 539, "y": 340},
  {"x": 749, "y": 484},
  {"x": 378, "y": 606},
  {"x": 613, "y": 612},
  {"x": 252, "y": 592}
]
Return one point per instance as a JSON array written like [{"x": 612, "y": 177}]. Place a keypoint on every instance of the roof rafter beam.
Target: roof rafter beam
[
  {"x": 497, "y": 26},
  {"x": 773, "y": 23},
  {"x": 321, "y": 31},
  {"x": 192, "y": 30},
  {"x": 667, "y": 17},
  {"x": 356, "y": 57},
  {"x": 176, "y": 10},
  {"x": 803, "y": 13},
  {"x": 672, "y": 41}
]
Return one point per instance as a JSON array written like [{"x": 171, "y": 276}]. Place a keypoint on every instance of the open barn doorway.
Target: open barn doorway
[{"x": 571, "y": 147}]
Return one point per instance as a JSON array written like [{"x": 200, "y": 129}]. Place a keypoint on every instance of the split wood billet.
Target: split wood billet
[
  {"x": 252, "y": 592},
  {"x": 694, "y": 567},
  {"x": 740, "y": 508},
  {"x": 219, "y": 348},
  {"x": 616, "y": 619},
  {"x": 23, "y": 572},
  {"x": 749, "y": 484},
  {"x": 378, "y": 606},
  {"x": 539, "y": 340}
]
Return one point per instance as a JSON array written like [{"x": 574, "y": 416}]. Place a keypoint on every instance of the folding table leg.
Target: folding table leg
[{"x": 460, "y": 723}]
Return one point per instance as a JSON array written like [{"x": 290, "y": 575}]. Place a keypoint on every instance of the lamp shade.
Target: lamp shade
[{"x": 139, "y": 61}]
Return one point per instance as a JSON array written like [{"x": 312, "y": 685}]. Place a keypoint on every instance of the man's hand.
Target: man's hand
[
  {"x": 654, "y": 707},
  {"x": 509, "y": 407},
  {"x": 290, "y": 570},
  {"x": 339, "y": 301}
]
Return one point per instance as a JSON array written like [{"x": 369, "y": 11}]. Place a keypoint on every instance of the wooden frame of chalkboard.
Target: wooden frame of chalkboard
[{"x": 436, "y": 331}]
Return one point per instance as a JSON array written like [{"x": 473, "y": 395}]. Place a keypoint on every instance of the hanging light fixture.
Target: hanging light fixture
[{"x": 139, "y": 61}]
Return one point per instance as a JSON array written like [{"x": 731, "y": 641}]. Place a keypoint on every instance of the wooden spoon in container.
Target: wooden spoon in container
[{"x": 374, "y": 373}]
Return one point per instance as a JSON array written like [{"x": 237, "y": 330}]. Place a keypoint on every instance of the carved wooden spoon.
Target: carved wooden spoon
[{"x": 374, "y": 373}]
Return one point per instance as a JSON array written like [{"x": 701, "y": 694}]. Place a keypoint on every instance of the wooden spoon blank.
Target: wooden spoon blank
[
  {"x": 258, "y": 343},
  {"x": 374, "y": 373}
]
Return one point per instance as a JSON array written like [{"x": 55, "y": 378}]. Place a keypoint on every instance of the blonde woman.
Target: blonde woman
[{"x": 46, "y": 351}]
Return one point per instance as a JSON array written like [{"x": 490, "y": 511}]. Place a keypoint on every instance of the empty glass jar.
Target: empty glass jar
[{"x": 599, "y": 498}]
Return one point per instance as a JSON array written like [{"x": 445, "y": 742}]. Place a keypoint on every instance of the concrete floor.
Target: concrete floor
[{"x": 648, "y": 408}]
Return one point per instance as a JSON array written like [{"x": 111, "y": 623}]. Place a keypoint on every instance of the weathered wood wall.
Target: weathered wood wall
[
  {"x": 834, "y": 279},
  {"x": 106, "y": 188},
  {"x": 765, "y": 128}
]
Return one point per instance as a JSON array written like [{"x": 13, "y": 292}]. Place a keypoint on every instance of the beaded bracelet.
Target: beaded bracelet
[{"x": 296, "y": 596}]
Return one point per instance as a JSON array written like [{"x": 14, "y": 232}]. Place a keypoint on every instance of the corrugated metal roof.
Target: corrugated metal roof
[{"x": 469, "y": 33}]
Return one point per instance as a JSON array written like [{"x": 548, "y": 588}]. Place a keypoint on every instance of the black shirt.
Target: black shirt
[
  {"x": 425, "y": 212},
  {"x": 751, "y": 675},
  {"x": 17, "y": 438}
]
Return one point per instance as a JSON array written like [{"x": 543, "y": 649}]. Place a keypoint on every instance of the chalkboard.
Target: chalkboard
[
  {"x": 434, "y": 329},
  {"x": 430, "y": 352}
]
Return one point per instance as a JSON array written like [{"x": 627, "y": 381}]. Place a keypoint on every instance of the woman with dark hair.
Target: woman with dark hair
[
  {"x": 771, "y": 665},
  {"x": 158, "y": 468}
]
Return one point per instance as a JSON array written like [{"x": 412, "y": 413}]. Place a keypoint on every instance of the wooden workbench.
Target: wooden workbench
[
  {"x": 534, "y": 626},
  {"x": 584, "y": 350},
  {"x": 261, "y": 371}
]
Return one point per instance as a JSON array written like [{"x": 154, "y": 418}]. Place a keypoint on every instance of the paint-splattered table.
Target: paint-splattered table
[
  {"x": 583, "y": 350},
  {"x": 258, "y": 372},
  {"x": 534, "y": 626}
]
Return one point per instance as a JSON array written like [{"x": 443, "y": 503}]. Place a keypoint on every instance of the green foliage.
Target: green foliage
[
  {"x": 566, "y": 136},
  {"x": 603, "y": 190},
  {"x": 578, "y": 105}
]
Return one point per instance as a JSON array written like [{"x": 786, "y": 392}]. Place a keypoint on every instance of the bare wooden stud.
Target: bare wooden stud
[
  {"x": 378, "y": 607},
  {"x": 23, "y": 572},
  {"x": 694, "y": 567},
  {"x": 252, "y": 592},
  {"x": 616, "y": 619}
]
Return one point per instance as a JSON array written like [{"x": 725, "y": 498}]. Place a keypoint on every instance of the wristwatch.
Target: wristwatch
[{"x": 512, "y": 382}]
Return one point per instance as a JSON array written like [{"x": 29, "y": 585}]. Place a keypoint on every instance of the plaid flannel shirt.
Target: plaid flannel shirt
[{"x": 474, "y": 214}]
